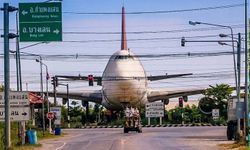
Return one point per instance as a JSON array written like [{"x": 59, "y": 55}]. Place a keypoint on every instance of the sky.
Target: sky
[{"x": 167, "y": 28}]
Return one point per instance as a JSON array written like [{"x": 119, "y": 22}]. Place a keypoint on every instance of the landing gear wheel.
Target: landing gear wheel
[
  {"x": 125, "y": 130},
  {"x": 230, "y": 132},
  {"x": 140, "y": 131}
]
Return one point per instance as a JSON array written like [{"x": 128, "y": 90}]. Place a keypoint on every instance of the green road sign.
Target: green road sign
[
  {"x": 40, "y": 22},
  {"x": 50, "y": 31}
]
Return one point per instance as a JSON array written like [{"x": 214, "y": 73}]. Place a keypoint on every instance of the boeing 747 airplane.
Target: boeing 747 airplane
[{"x": 124, "y": 82}]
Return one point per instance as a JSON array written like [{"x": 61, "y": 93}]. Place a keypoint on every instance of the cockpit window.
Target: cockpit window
[{"x": 124, "y": 57}]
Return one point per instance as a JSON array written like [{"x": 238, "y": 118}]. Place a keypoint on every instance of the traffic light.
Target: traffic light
[
  {"x": 185, "y": 98},
  {"x": 54, "y": 81},
  {"x": 180, "y": 102},
  {"x": 91, "y": 80},
  {"x": 183, "y": 41}
]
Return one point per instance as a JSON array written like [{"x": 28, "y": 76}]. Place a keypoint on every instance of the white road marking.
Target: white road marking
[{"x": 61, "y": 146}]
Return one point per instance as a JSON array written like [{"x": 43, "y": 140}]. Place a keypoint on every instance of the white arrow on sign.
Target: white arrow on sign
[
  {"x": 16, "y": 114},
  {"x": 24, "y": 12},
  {"x": 56, "y": 31}
]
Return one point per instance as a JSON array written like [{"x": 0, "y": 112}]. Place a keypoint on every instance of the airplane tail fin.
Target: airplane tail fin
[{"x": 124, "y": 37}]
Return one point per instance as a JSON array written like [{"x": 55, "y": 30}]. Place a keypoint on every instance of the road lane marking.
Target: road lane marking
[{"x": 61, "y": 146}]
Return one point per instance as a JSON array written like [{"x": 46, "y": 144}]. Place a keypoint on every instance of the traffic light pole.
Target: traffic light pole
[
  {"x": 183, "y": 41},
  {"x": 67, "y": 86}
]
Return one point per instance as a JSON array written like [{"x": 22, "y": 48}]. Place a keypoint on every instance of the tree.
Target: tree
[
  {"x": 218, "y": 96},
  {"x": 219, "y": 92}
]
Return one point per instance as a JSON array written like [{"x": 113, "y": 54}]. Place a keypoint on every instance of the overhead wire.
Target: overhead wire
[
  {"x": 143, "y": 32},
  {"x": 157, "y": 12},
  {"x": 153, "y": 32},
  {"x": 150, "y": 57},
  {"x": 154, "y": 12}
]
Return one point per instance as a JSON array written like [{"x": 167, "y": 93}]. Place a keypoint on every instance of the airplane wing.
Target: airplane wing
[
  {"x": 92, "y": 96},
  {"x": 97, "y": 79},
  {"x": 155, "y": 95},
  {"x": 161, "y": 77},
  {"x": 77, "y": 77}
]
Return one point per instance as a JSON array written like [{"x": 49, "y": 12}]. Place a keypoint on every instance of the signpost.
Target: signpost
[
  {"x": 40, "y": 22},
  {"x": 216, "y": 114},
  {"x": 57, "y": 114},
  {"x": 16, "y": 114},
  {"x": 19, "y": 106},
  {"x": 50, "y": 115},
  {"x": 155, "y": 109}
]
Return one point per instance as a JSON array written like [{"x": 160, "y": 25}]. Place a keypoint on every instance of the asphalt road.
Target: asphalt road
[{"x": 168, "y": 138}]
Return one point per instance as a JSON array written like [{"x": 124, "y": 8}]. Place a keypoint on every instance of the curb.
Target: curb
[{"x": 157, "y": 126}]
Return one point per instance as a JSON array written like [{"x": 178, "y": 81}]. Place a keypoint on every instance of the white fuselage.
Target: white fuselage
[{"x": 124, "y": 81}]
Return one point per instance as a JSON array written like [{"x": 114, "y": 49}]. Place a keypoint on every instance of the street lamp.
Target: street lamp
[
  {"x": 239, "y": 70},
  {"x": 47, "y": 92},
  {"x": 231, "y": 30},
  {"x": 235, "y": 74},
  {"x": 41, "y": 80},
  {"x": 219, "y": 41},
  {"x": 41, "y": 85}
]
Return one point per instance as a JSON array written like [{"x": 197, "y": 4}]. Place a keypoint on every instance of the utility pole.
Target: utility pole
[
  {"x": 21, "y": 125},
  {"x": 246, "y": 76},
  {"x": 6, "y": 76},
  {"x": 68, "y": 104},
  {"x": 238, "y": 87},
  {"x": 41, "y": 80},
  {"x": 47, "y": 94},
  {"x": 54, "y": 87},
  {"x": 6, "y": 8}
]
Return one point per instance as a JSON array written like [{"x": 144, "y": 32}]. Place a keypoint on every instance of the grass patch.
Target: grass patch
[
  {"x": 239, "y": 146},
  {"x": 15, "y": 141},
  {"x": 46, "y": 135},
  {"x": 26, "y": 147}
]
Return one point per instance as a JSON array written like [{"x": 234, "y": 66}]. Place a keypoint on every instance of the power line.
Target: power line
[
  {"x": 145, "y": 57},
  {"x": 136, "y": 39},
  {"x": 153, "y": 32},
  {"x": 157, "y": 12}
]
